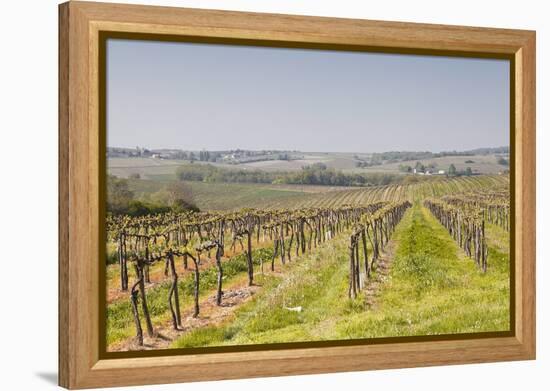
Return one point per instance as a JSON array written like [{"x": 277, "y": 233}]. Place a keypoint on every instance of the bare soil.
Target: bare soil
[
  {"x": 210, "y": 315},
  {"x": 156, "y": 272}
]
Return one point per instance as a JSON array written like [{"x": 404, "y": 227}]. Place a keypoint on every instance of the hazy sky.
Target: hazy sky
[{"x": 199, "y": 96}]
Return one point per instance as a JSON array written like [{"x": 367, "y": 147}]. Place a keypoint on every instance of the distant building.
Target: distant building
[{"x": 428, "y": 172}]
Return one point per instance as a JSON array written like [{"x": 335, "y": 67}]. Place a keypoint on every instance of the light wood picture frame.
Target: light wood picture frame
[{"x": 82, "y": 29}]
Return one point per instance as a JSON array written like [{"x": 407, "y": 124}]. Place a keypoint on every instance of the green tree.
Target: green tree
[
  {"x": 452, "y": 170},
  {"x": 419, "y": 167},
  {"x": 405, "y": 168},
  {"x": 502, "y": 161},
  {"x": 118, "y": 194},
  {"x": 177, "y": 195}
]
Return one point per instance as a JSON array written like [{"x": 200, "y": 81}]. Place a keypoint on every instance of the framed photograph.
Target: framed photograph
[{"x": 247, "y": 195}]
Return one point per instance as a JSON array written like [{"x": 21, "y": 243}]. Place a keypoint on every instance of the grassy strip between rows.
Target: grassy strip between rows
[
  {"x": 433, "y": 288},
  {"x": 120, "y": 323}
]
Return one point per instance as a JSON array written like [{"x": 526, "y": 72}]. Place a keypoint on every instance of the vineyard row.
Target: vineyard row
[
  {"x": 145, "y": 241},
  {"x": 376, "y": 228},
  {"x": 465, "y": 225}
]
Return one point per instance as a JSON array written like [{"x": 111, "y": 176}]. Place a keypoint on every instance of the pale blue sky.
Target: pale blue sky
[{"x": 201, "y": 96}]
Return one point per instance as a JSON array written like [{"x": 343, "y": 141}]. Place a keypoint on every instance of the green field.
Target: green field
[{"x": 229, "y": 196}]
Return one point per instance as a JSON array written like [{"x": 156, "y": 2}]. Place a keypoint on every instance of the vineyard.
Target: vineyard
[
  {"x": 413, "y": 191},
  {"x": 236, "y": 195},
  {"x": 325, "y": 266},
  {"x": 465, "y": 217}
]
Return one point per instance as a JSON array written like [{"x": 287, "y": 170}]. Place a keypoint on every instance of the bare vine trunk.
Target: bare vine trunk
[
  {"x": 249, "y": 259},
  {"x": 219, "y": 293},
  {"x": 123, "y": 263},
  {"x": 196, "y": 275},
  {"x": 139, "y": 271},
  {"x": 134, "y": 298},
  {"x": 173, "y": 296},
  {"x": 352, "y": 292},
  {"x": 365, "y": 253}
]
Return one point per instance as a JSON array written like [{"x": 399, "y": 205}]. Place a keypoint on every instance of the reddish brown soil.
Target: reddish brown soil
[
  {"x": 156, "y": 272},
  {"x": 210, "y": 314}
]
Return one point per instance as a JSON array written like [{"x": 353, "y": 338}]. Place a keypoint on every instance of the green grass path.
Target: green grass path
[{"x": 432, "y": 288}]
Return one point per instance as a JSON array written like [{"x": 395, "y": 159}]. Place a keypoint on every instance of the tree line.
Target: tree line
[
  {"x": 401, "y": 156},
  {"x": 315, "y": 174},
  {"x": 174, "y": 197}
]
